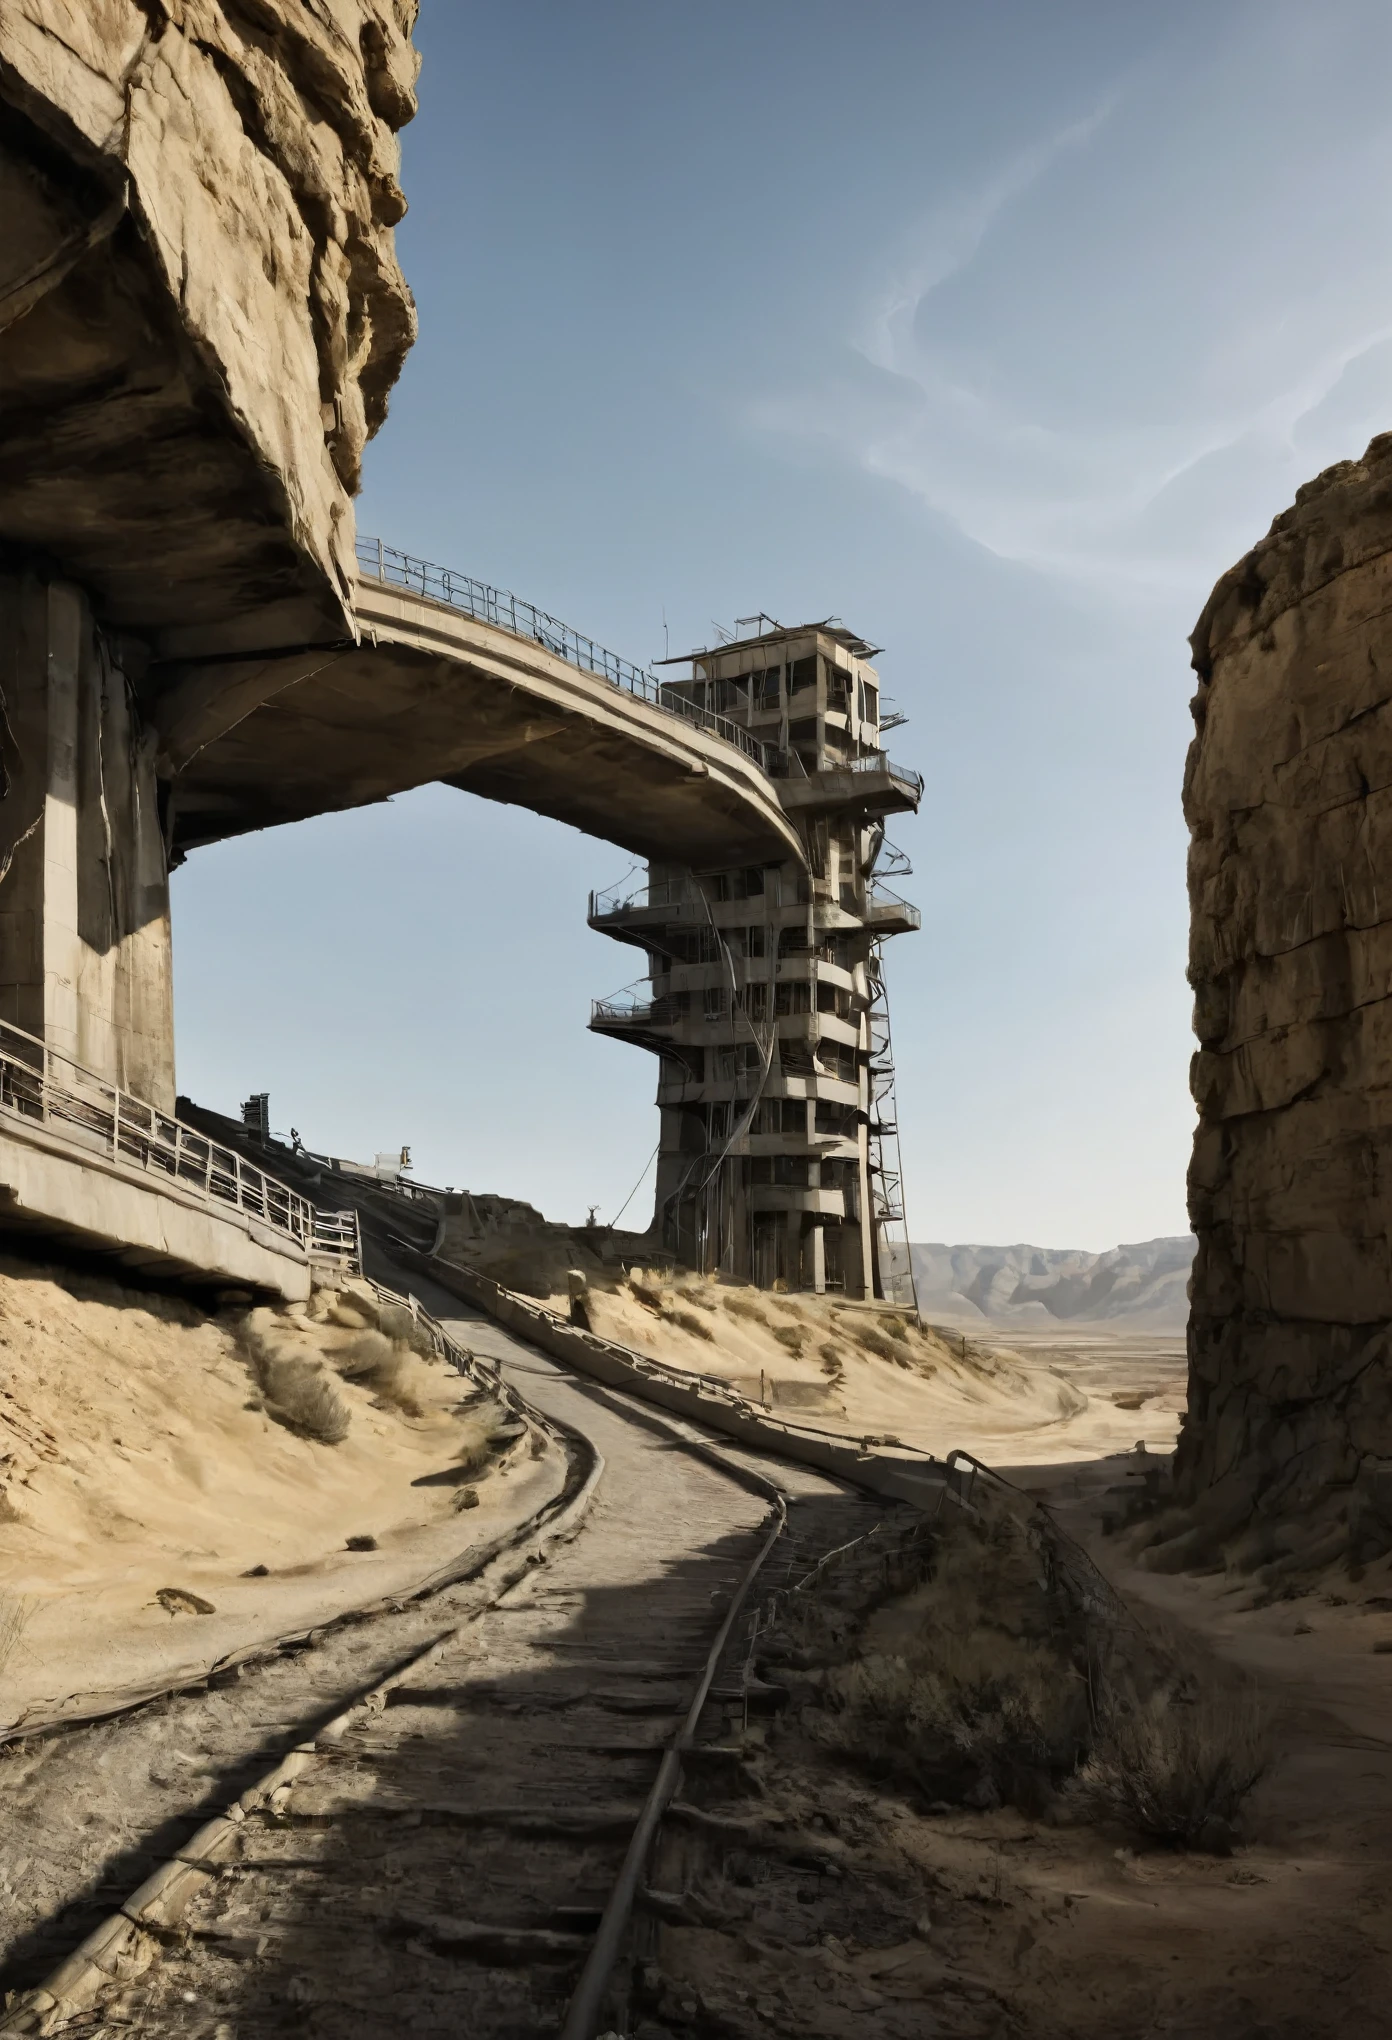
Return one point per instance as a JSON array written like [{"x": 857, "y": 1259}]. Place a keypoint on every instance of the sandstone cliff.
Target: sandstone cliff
[
  {"x": 1288, "y": 794},
  {"x": 201, "y": 312}
]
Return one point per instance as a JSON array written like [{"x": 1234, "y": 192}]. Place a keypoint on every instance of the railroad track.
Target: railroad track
[{"x": 462, "y": 1854}]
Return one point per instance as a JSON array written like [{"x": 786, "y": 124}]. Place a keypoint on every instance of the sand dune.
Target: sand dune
[
  {"x": 862, "y": 1370},
  {"x": 138, "y": 1457}
]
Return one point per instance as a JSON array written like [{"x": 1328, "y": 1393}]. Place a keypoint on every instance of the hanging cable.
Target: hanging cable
[{"x": 637, "y": 1186}]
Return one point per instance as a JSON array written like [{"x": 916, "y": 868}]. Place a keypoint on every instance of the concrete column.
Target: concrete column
[
  {"x": 61, "y": 681},
  {"x": 867, "y": 1202},
  {"x": 819, "y": 1259},
  {"x": 84, "y": 889}
]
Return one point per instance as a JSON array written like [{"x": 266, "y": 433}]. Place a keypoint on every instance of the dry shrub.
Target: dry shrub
[
  {"x": 741, "y": 1307},
  {"x": 696, "y": 1294},
  {"x": 389, "y": 1368},
  {"x": 894, "y": 1328},
  {"x": 397, "y": 1324},
  {"x": 364, "y": 1356},
  {"x": 945, "y": 1656},
  {"x": 686, "y": 1321},
  {"x": 297, "y": 1390},
  {"x": 977, "y": 1720},
  {"x": 873, "y": 1341},
  {"x": 475, "y": 1448},
  {"x": 794, "y": 1337},
  {"x": 831, "y": 1359},
  {"x": 14, "y": 1620},
  {"x": 642, "y": 1292},
  {"x": 977, "y": 1659},
  {"x": 1177, "y": 1765},
  {"x": 480, "y": 1437},
  {"x": 406, "y": 1385},
  {"x": 302, "y": 1395}
]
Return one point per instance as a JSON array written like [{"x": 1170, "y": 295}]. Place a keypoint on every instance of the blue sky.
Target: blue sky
[{"x": 999, "y": 332}]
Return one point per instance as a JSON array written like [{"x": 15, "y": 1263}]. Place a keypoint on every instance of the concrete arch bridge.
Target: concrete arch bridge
[{"x": 121, "y": 758}]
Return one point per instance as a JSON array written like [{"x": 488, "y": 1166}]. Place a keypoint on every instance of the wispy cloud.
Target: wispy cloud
[
  {"x": 947, "y": 239},
  {"x": 1118, "y": 353}
]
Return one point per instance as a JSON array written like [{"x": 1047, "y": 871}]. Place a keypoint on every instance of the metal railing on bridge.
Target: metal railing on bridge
[
  {"x": 395, "y": 569},
  {"x": 47, "y": 1089}
]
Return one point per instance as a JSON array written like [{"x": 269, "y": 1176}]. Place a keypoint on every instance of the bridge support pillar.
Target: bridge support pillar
[{"x": 84, "y": 884}]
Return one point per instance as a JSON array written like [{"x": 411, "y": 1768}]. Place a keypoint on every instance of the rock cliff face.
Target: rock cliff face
[
  {"x": 1288, "y": 794},
  {"x": 201, "y": 312}
]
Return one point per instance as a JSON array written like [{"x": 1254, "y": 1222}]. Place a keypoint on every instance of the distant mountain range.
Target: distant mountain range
[{"x": 1144, "y": 1287}]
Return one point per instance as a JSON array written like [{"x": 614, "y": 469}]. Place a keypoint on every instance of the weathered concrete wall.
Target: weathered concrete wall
[
  {"x": 1288, "y": 795},
  {"x": 147, "y": 1226},
  {"x": 84, "y": 888},
  {"x": 187, "y": 381}
]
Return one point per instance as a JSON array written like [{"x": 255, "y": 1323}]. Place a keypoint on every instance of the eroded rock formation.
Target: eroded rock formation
[
  {"x": 201, "y": 312},
  {"x": 1288, "y": 795},
  {"x": 201, "y": 316}
]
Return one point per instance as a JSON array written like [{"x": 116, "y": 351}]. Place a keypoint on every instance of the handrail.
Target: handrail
[
  {"x": 396, "y": 569},
  {"x": 662, "y": 1012},
  {"x": 880, "y": 898},
  {"x": 450, "y": 1351},
  {"x": 791, "y": 765},
  {"x": 880, "y": 761},
  {"x": 41, "y": 1085},
  {"x": 663, "y": 892},
  {"x": 645, "y": 1367}
]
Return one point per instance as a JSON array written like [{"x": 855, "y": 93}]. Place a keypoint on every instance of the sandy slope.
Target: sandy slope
[
  {"x": 1025, "y": 1397},
  {"x": 136, "y": 1455}
]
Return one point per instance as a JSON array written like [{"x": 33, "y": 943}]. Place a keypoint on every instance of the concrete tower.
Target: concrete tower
[{"x": 764, "y": 997}]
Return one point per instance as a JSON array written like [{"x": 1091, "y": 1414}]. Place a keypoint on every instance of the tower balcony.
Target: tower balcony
[
  {"x": 637, "y": 913},
  {"x": 635, "y": 1015},
  {"x": 868, "y": 786},
  {"x": 887, "y": 914},
  {"x": 812, "y": 1028},
  {"x": 812, "y": 1147}
]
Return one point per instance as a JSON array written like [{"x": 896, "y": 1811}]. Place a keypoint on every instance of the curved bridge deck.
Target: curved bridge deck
[{"x": 434, "y": 692}]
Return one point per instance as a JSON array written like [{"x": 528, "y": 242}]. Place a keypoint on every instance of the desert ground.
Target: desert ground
[
  {"x": 1030, "y": 1922},
  {"x": 150, "y": 1475},
  {"x": 166, "y": 1504}
]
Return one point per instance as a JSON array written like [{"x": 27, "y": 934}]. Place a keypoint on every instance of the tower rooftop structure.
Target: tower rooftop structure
[{"x": 764, "y": 998}]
